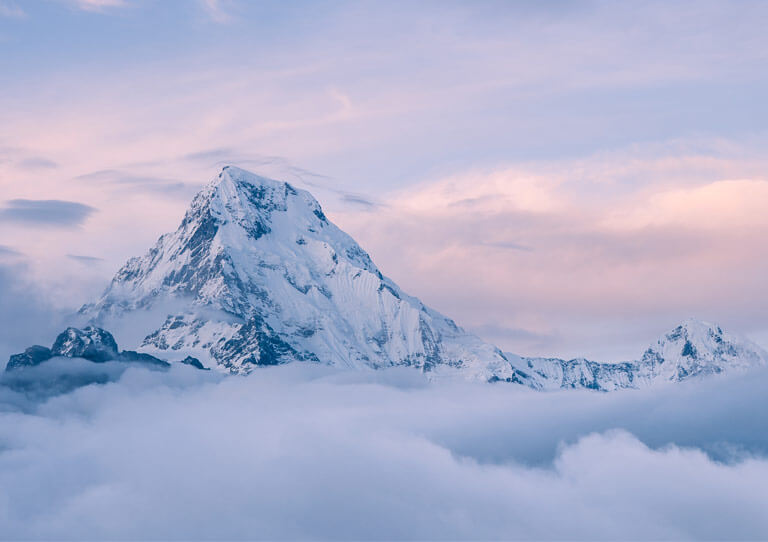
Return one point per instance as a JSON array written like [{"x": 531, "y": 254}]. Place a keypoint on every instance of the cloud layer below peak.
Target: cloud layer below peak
[{"x": 306, "y": 452}]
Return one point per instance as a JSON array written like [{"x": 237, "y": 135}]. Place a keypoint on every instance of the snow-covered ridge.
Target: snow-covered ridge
[
  {"x": 257, "y": 275},
  {"x": 693, "y": 349}
]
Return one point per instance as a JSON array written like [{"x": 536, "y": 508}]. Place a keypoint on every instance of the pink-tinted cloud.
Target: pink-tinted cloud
[{"x": 568, "y": 255}]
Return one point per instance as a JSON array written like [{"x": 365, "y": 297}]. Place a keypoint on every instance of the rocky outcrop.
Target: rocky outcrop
[
  {"x": 34, "y": 355},
  {"x": 91, "y": 343}
]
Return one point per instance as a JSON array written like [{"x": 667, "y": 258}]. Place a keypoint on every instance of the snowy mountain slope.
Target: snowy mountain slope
[
  {"x": 257, "y": 275},
  {"x": 691, "y": 350}
]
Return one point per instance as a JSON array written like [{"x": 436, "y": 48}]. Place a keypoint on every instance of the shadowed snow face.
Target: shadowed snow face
[{"x": 302, "y": 451}]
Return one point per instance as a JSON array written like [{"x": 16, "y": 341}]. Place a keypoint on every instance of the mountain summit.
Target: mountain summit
[{"x": 257, "y": 275}]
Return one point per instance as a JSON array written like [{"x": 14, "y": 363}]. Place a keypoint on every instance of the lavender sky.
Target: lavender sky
[{"x": 563, "y": 178}]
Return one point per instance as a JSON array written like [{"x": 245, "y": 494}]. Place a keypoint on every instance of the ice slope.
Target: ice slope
[{"x": 257, "y": 275}]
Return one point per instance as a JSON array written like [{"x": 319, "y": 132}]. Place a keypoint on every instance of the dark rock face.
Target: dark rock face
[
  {"x": 256, "y": 343},
  {"x": 194, "y": 362},
  {"x": 689, "y": 350},
  {"x": 93, "y": 344},
  {"x": 34, "y": 355},
  {"x": 138, "y": 357}
]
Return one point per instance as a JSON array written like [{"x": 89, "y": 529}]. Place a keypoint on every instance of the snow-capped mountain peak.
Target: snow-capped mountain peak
[
  {"x": 211, "y": 255},
  {"x": 698, "y": 348},
  {"x": 257, "y": 274}
]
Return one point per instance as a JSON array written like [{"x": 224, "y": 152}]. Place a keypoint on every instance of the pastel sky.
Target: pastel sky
[{"x": 562, "y": 178}]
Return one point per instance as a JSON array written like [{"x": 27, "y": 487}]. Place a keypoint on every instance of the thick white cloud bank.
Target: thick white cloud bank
[{"x": 308, "y": 452}]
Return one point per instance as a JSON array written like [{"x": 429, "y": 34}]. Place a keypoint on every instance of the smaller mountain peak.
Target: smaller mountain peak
[
  {"x": 695, "y": 347},
  {"x": 91, "y": 343},
  {"x": 693, "y": 329}
]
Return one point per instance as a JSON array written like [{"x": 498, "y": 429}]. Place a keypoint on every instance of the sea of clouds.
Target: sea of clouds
[{"x": 302, "y": 451}]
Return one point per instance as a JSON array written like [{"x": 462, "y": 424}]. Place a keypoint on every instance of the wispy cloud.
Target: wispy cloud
[
  {"x": 98, "y": 5},
  {"x": 26, "y": 315},
  {"x": 359, "y": 200},
  {"x": 46, "y": 212},
  {"x": 87, "y": 260},
  {"x": 508, "y": 245},
  {"x": 8, "y": 251},
  {"x": 127, "y": 181},
  {"x": 219, "y": 11},
  {"x": 37, "y": 162},
  {"x": 12, "y": 11},
  {"x": 208, "y": 155}
]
